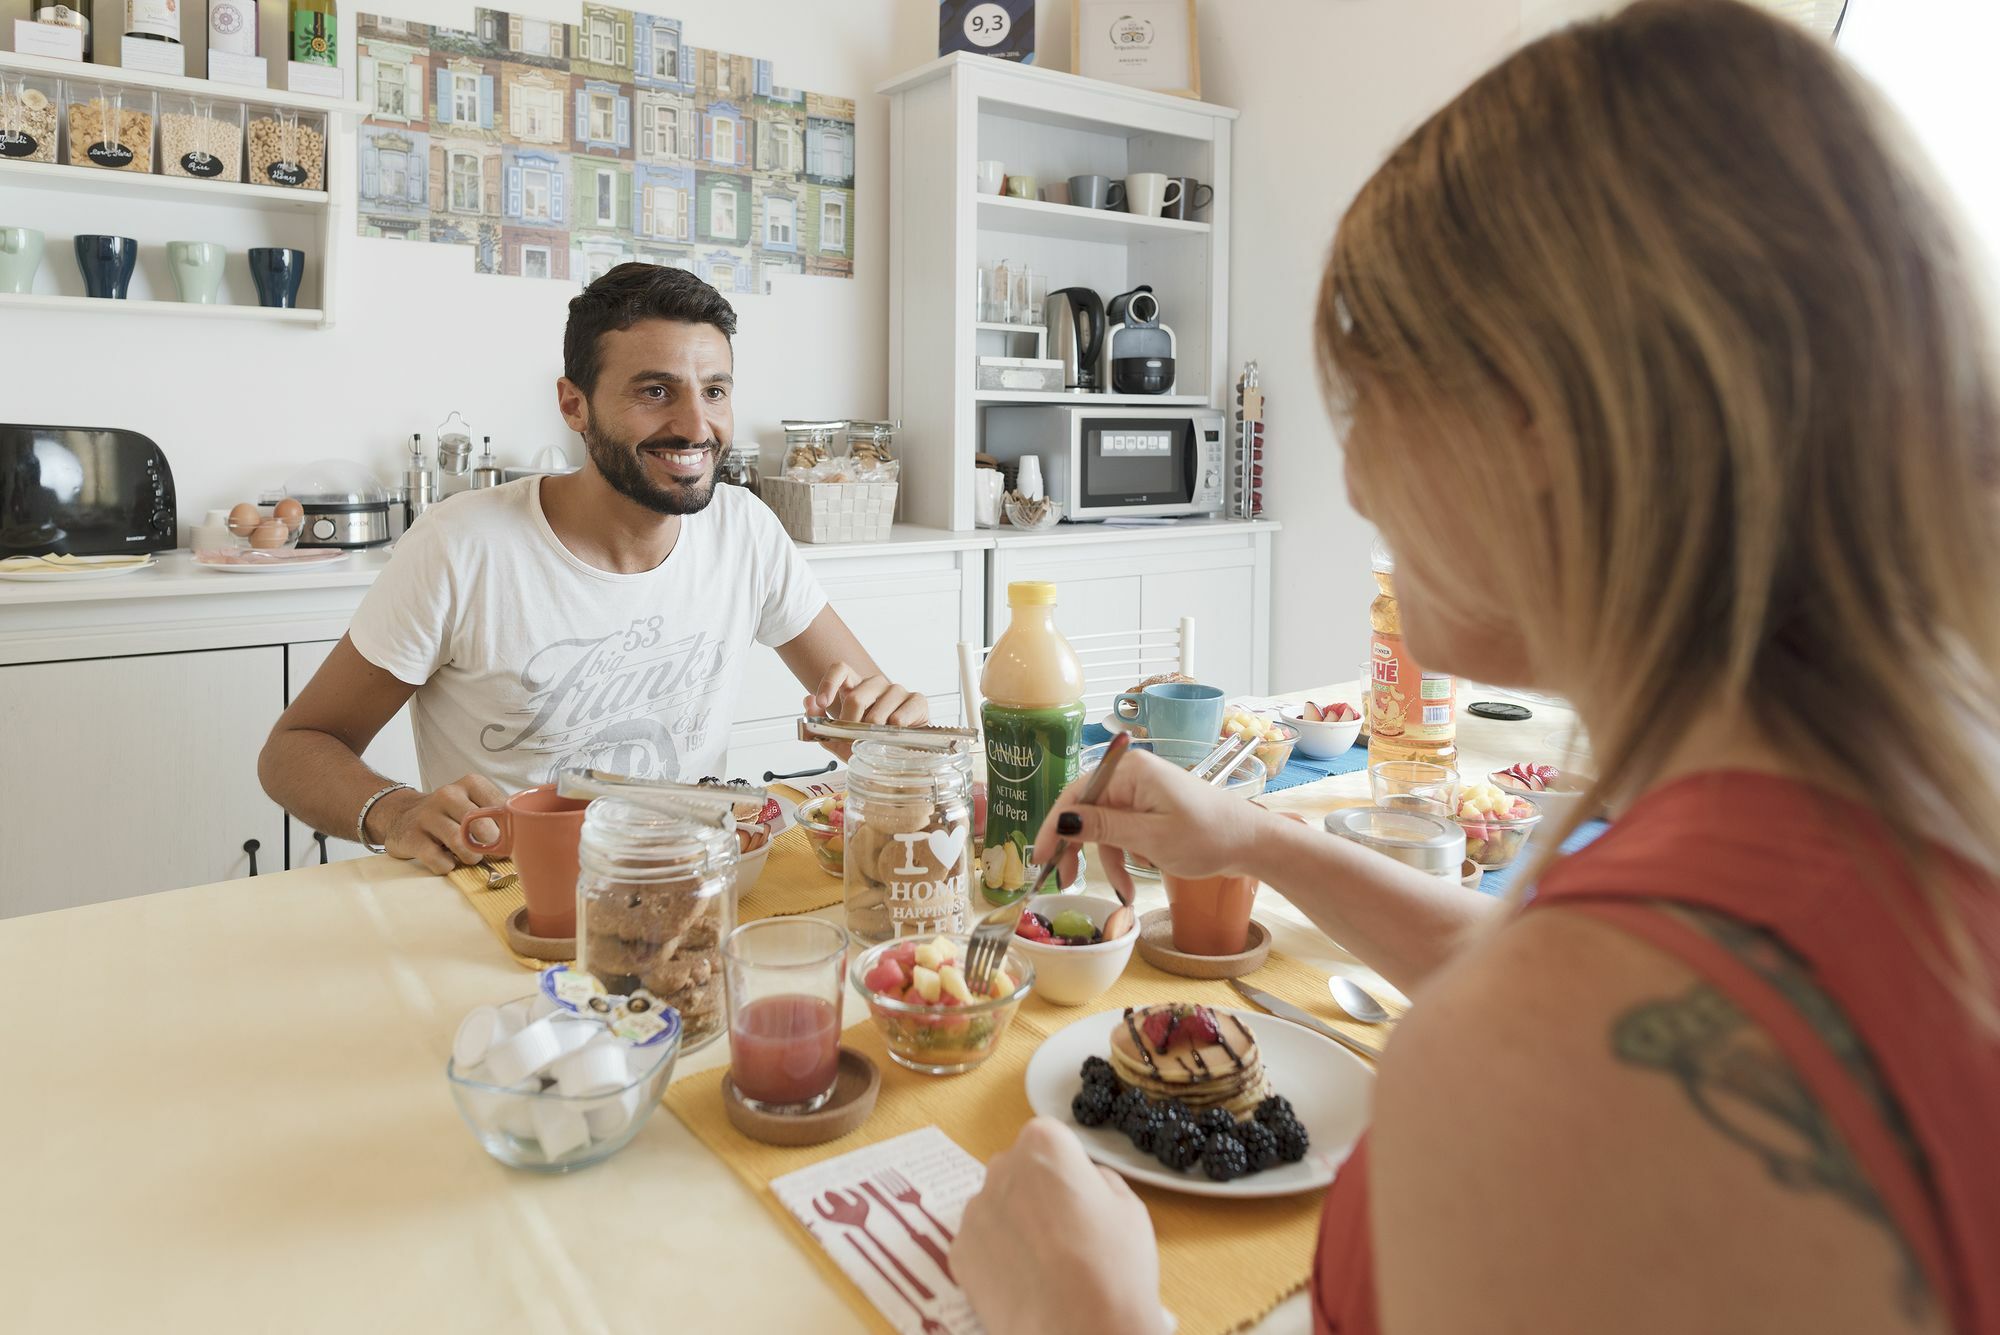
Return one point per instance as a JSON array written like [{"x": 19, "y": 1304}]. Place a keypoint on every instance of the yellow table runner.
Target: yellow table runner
[{"x": 1225, "y": 1263}]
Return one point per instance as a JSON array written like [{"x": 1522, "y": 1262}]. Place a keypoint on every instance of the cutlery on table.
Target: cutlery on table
[
  {"x": 931, "y": 1327},
  {"x": 1218, "y": 766},
  {"x": 923, "y": 1240},
  {"x": 1356, "y": 1000},
  {"x": 852, "y": 1210},
  {"x": 1285, "y": 1010},
  {"x": 906, "y": 1191},
  {"x": 995, "y": 931}
]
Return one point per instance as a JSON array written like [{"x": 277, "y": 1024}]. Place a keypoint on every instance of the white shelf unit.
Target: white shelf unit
[
  {"x": 64, "y": 201},
  {"x": 944, "y": 118}
]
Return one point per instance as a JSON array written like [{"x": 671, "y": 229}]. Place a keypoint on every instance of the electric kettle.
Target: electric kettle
[{"x": 1076, "y": 335}]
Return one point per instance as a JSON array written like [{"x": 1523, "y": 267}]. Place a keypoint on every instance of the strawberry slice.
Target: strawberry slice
[
  {"x": 1199, "y": 1025},
  {"x": 1159, "y": 1027}
]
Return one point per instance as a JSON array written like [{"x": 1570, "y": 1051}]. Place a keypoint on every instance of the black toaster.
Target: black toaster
[{"x": 83, "y": 491}]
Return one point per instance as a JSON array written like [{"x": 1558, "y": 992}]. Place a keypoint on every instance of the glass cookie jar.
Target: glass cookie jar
[
  {"x": 655, "y": 897},
  {"x": 908, "y": 832}
]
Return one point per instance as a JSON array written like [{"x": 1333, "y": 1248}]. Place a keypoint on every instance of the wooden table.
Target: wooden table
[{"x": 227, "y": 1111}]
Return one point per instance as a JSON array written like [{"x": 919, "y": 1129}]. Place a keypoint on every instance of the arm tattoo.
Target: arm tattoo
[{"x": 1743, "y": 1087}]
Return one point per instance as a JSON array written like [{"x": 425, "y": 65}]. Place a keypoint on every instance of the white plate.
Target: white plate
[
  {"x": 41, "y": 574},
  {"x": 1330, "y": 1089},
  {"x": 334, "y": 558}
]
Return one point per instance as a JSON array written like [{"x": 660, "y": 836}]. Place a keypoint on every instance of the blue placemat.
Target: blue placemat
[
  {"x": 1496, "y": 882},
  {"x": 1298, "y": 770}
]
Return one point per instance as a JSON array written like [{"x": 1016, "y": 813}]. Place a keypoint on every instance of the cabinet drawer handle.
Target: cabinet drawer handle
[
  {"x": 320, "y": 839},
  {"x": 828, "y": 768},
  {"x": 251, "y": 846}
]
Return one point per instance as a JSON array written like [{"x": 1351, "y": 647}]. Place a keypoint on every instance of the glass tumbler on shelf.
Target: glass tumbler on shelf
[
  {"x": 1034, "y": 293},
  {"x": 655, "y": 899},
  {"x": 785, "y": 977},
  {"x": 999, "y": 306}
]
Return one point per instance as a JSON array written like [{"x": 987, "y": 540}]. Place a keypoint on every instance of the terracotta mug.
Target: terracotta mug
[
  {"x": 539, "y": 831},
  {"x": 1210, "y": 914}
]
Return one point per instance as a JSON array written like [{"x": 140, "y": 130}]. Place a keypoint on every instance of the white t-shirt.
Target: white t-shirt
[{"x": 527, "y": 660}]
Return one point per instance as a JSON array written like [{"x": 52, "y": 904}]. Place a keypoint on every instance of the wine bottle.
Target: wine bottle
[
  {"x": 313, "y": 32},
  {"x": 154, "y": 20},
  {"x": 69, "y": 16},
  {"x": 232, "y": 26}
]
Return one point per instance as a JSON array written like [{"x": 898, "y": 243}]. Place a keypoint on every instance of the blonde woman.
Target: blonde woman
[{"x": 1659, "y": 328}]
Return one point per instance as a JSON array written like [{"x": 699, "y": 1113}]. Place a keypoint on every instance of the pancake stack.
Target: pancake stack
[{"x": 1205, "y": 1058}]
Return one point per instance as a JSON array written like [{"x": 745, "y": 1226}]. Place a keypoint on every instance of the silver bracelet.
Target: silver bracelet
[{"x": 361, "y": 821}]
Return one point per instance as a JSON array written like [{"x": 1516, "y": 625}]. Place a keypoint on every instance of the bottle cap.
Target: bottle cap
[
  {"x": 1031, "y": 593},
  {"x": 1384, "y": 560}
]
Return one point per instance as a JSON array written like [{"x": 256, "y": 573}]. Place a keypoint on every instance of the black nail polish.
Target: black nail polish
[{"x": 1069, "y": 823}]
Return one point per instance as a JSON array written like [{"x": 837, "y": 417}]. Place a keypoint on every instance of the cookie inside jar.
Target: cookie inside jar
[
  {"x": 908, "y": 832},
  {"x": 656, "y": 895}
]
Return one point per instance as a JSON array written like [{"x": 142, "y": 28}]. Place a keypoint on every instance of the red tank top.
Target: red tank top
[{"x": 1819, "y": 876}]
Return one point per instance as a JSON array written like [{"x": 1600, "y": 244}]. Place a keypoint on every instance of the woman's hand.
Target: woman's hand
[
  {"x": 1155, "y": 809},
  {"x": 1054, "y": 1242}
]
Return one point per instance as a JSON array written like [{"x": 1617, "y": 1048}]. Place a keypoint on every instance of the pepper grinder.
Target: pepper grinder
[{"x": 419, "y": 483}]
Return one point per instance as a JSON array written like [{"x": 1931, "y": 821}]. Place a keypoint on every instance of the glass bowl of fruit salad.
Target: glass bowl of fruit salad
[
  {"x": 1497, "y": 824},
  {"x": 1275, "y": 739},
  {"x": 1325, "y": 731},
  {"x": 824, "y": 819},
  {"x": 1063, "y": 935},
  {"x": 1556, "y": 792},
  {"x": 917, "y": 994}
]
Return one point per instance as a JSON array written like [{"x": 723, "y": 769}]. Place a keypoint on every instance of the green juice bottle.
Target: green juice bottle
[{"x": 1033, "y": 722}]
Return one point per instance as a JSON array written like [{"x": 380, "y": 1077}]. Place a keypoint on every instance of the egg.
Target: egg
[
  {"x": 244, "y": 519},
  {"x": 270, "y": 533},
  {"x": 290, "y": 511}
]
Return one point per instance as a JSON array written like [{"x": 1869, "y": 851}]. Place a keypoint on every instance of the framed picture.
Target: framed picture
[{"x": 1140, "y": 43}]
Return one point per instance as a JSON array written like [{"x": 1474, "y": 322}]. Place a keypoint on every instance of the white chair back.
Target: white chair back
[{"x": 1113, "y": 662}]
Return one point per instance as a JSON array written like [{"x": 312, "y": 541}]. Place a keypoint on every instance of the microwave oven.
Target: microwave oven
[{"x": 1103, "y": 461}]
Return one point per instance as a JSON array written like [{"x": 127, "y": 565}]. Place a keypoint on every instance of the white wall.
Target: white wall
[
  {"x": 1326, "y": 88},
  {"x": 238, "y": 407}
]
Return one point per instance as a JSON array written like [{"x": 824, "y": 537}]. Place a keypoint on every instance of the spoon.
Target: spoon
[{"x": 1351, "y": 997}]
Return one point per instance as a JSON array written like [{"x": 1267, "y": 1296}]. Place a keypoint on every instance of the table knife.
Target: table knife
[{"x": 1285, "y": 1010}]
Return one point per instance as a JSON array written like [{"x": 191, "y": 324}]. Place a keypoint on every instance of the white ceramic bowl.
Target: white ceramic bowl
[
  {"x": 749, "y": 866},
  {"x": 1072, "y": 975},
  {"x": 1322, "y": 741}
]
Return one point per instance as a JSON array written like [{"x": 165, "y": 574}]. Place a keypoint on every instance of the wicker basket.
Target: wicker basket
[{"x": 832, "y": 511}]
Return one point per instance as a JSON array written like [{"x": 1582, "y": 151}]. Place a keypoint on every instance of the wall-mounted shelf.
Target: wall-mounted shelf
[
  {"x": 97, "y": 180},
  {"x": 173, "y": 83},
  {"x": 1092, "y": 400},
  {"x": 1032, "y": 217},
  {"x": 36, "y": 301}
]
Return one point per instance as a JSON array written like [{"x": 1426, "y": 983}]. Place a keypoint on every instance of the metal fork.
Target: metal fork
[{"x": 991, "y": 937}]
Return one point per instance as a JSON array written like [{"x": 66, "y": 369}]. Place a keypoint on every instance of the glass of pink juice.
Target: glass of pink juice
[{"x": 784, "y": 978}]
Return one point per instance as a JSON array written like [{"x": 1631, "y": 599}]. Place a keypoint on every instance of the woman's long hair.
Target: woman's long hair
[{"x": 1670, "y": 293}]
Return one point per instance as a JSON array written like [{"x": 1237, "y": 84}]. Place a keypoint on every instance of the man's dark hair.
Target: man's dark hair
[{"x": 628, "y": 294}]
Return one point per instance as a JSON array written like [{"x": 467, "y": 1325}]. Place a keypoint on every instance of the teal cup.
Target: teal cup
[
  {"x": 20, "y": 258},
  {"x": 1182, "y": 711},
  {"x": 197, "y": 270}
]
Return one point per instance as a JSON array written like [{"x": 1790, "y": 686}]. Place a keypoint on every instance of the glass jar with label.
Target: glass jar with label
[
  {"x": 201, "y": 137},
  {"x": 28, "y": 117},
  {"x": 109, "y": 126},
  {"x": 909, "y": 839},
  {"x": 655, "y": 897},
  {"x": 288, "y": 148},
  {"x": 1411, "y": 712}
]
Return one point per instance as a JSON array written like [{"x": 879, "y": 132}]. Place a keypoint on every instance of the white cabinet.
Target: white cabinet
[
  {"x": 393, "y": 754},
  {"x": 128, "y": 775},
  {"x": 1107, "y": 582}
]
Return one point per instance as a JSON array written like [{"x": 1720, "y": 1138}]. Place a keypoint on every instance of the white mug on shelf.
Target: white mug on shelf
[
  {"x": 1150, "y": 193},
  {"x": 986, "y": 488},
  {"x": 991, "y": 176}
]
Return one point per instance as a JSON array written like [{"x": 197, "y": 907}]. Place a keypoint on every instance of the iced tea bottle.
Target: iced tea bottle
[
  {"x": 1033, "y": 724},
  {"x": 1411, "y": 714}
]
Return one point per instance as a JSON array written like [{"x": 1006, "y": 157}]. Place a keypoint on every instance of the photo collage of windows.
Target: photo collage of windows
[{"x": 557, "y": 151}]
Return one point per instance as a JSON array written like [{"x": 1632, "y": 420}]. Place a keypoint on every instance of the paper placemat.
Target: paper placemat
[{"x": 1264, "y": 1246}]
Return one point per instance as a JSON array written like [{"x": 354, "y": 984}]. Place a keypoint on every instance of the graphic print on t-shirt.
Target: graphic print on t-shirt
[{"x": 631, "y": 701}]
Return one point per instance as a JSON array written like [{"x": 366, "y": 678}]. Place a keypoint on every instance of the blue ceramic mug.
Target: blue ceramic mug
[
  {"x": 1183, "y": 711},
  {"x": 277, "y": 273},
  {"x": 106, "y": 264}
]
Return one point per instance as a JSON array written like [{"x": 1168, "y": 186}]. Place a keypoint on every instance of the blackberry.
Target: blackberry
[
  {"x": 1091, "y": 1107},
  {"x": 1097, "y": 1071},
  {"x": 1292, "y": 1141},
  {"x": 1179, "y": 1146},
  {"x": 1277, "y": 1108},
  {"x": 1224, "y": 1158},
  {"x": 1216, "y": 1122},
  {"x": 1144, "y": 1129},
  {"x": 1176, "y": 1111},
  {"x": 1129, "y": 1100},
  {"x": 1261, "y": 1144}
]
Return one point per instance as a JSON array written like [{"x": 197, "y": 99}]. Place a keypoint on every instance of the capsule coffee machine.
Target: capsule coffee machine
[{"x": 1138, "y": 349}]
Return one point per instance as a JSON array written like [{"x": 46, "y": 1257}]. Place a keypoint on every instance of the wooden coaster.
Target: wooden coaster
[
  {"x": 524, "y": 942},
  {"x": 853, "y": 1100},
  {"x": 1156, "y": 947}
]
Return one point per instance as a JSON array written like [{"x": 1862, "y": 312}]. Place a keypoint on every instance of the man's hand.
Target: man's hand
[
  {"x": 423, "y": 827},
  {"x": 846, "y": 695}
]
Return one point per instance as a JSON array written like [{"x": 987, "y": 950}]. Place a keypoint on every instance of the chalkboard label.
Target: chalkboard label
[
  {"x": 109, "y": 155},
  {"x": 288, "y": 173},
  {"x": 199, "y": 163},
  {"x": 14, "y": 144}
]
